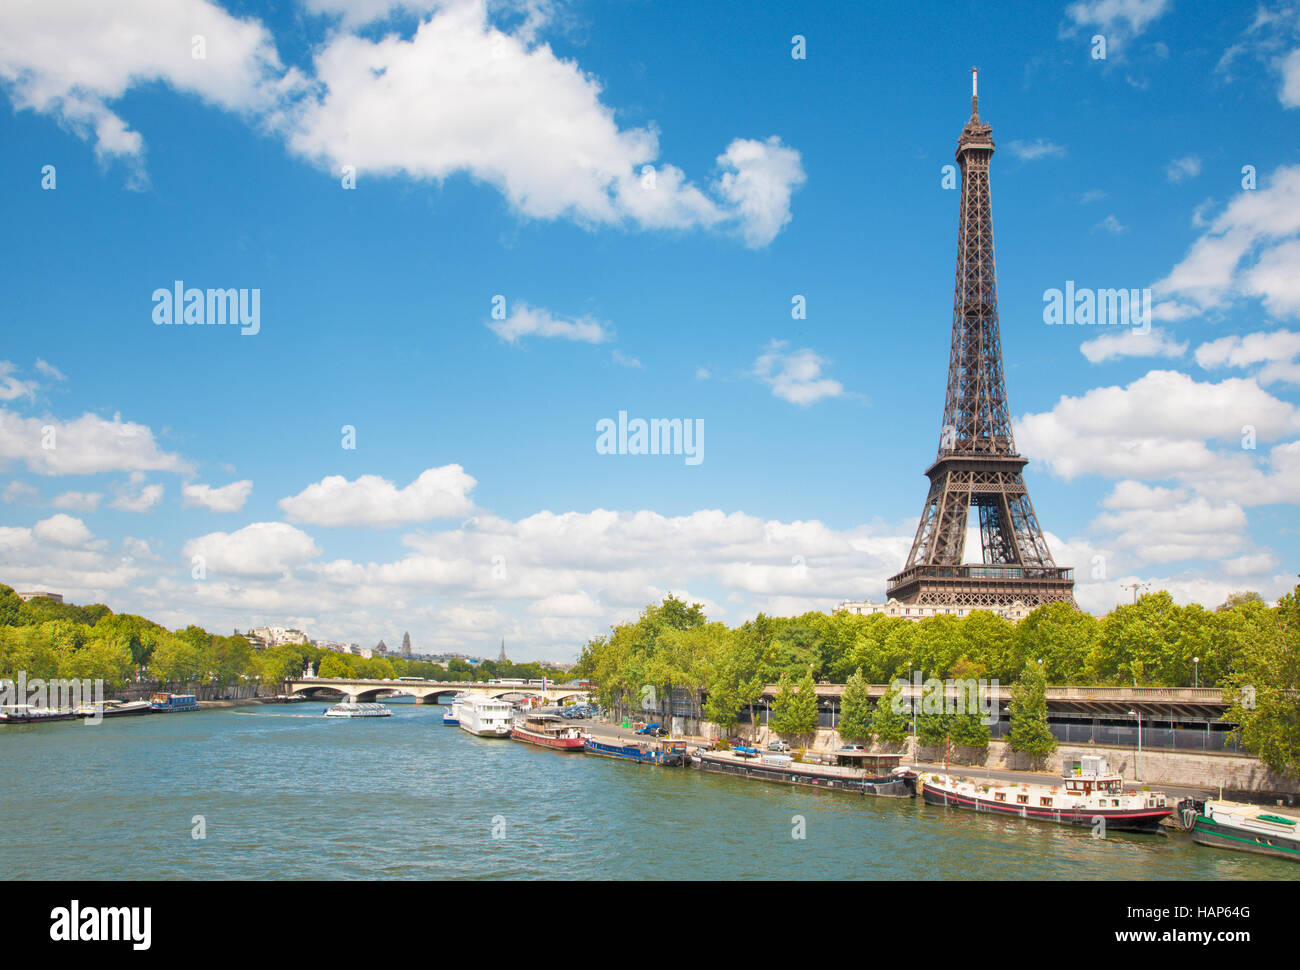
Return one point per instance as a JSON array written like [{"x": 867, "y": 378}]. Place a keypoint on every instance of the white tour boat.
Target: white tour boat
[
  {"x": 358, "y": 710},
  {"x": 485, "y": 717}
]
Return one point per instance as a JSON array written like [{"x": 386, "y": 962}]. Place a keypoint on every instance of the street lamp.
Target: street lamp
[
  {"x": 1196, "y": 672},
  {"x": 1137, "y": 762},
  {"x": 916, "y": 741}
]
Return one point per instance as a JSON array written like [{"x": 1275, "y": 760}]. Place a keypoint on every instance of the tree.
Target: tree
[
  {"x": 794, "y": 711},
  {"x": 889, "y": 721},
  {"x": 1240, "y": 599},
  {"x": 855, "y": 709},
  {"x": 1030, "y": 733},
  {"x": 1263, "y": 690}
]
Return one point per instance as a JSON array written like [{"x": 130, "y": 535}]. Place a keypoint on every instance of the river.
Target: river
[{"x": 286, "y": 793}]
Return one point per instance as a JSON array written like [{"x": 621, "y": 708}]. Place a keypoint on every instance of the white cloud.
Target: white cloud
[
  {"x": 226, "y": 498},
  {"x": 1182, "y": 169},
  {"x": 1112, "y": 225},
  {"x": 528, "y": 321},
  {"x": 1033, "y": 151},
  {"x": 1132, "y": 343},
  {"x": 461, "y": 96},
  {"x": 12, "y": 388},
  {"x": 1276, "y": 349},
  {"x": 1159, "y": 426},
  {"x": 62, "y": 530},
  {"x": 758, "y": 181},
  {"x": 17, "y": 491},
  {"x": 624, "y": 360},
  {"x": 1193, "y": 529},
  {"x": 78, "y": 501},
  {"x": 458, "y": 96},
  {"x": 49, "y": 370},
  {"x": 1216, "y": 269},
  {"x": 84, "y": 446},
  {"x": 438, "y": 493},
  {"x": 136, "y": 496},
  {"x": 1119, "y": 20},
  {"x": 74, "y": 58},
  {"x": 260, "y": 549},
  {"x": 795, "y": 376}
]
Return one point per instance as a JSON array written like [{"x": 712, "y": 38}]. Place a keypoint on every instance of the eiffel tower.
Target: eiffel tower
[{"x": 977, "y": 463}]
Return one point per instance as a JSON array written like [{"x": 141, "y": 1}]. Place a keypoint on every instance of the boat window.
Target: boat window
[
  {"x": 1022, "y": 799},
  {"x": 1000, "y": 796},
  {"x": 1045, "y": 800}
]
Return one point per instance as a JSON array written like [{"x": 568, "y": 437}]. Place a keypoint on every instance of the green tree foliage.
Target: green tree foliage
[
  {"x": 855, "y": 709},
  {"x": 794, "y": 711},
  {"x": 890, "y": 722},
  {"x": 1028, "y": 709},
  {"x": 1264, "y": 689}
]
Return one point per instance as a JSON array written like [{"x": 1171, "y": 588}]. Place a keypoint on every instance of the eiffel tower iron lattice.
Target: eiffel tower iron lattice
[{"x": 977, "y": 464}]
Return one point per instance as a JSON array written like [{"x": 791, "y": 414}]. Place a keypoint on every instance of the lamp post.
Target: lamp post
[
  {"x": 1196, "y": 672},
  {"x": 916, "y": 741},
  {"x": 1137, "y": 762}
]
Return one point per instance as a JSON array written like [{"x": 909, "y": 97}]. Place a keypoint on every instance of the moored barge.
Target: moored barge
[
  {"x": 547, "y": 731},
  {"x": 1089, "y": 793},
  {"x": 665, "y": 752},
  {"x": 1244, "y": 828},
  {"x": 859, "y": 772},
  {"x": 32, "y": 714}
]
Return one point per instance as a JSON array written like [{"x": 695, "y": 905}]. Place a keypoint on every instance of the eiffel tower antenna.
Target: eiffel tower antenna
[{"x": 977, "y": 463}]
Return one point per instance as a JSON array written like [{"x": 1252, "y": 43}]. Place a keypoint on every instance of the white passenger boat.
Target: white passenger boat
[
  {"x": 358, "y": 710},
  {"x": 485, "y": 717}
]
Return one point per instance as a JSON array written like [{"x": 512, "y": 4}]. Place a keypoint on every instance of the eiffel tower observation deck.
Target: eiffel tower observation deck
[{"x": 977, "y": 464}]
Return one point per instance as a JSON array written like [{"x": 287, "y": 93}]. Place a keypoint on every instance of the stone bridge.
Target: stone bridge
[{"x": 429, "y": 691}]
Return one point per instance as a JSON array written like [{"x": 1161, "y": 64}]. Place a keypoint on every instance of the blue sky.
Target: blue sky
[{"x": 502, "y": 150}]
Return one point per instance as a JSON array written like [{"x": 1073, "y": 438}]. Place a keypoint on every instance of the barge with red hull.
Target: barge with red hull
[
  {"x": 1089, "y": 794},
  {"x": 547, "y": 731}
]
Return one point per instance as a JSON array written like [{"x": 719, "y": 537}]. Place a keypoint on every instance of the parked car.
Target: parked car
[
  {"x": 652, "y": 729},
  {"x": 852, "y": 747},
  {"x": 777, "y": 746}
]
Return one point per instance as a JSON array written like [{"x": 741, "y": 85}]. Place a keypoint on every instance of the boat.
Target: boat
[
  {"x": 664, "y": 752},
  {"x": 31, "y": 714},
  {"x": 358, "y": 710},
  {"x": 485, "y": 717},
  {"x": 1089, "y": 791},
  {"x": 860, "y": 772},
  {"x": 115, "y": 709},
  {"x": 451, "y": 716},
  {"x": 548, "y": 731},
  {"x": 1245, "y": 828},
  {"x": 170, "y": 703}
]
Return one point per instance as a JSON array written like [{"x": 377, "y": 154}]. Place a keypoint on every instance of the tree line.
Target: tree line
[
  {"x": 47, "y": 639},
  {"x": 1245, "y": 648}
]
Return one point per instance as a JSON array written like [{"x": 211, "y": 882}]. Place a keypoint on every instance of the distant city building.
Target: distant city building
[
  {"x": 273, "y": 636},
  {"x": 502, "y": 658},
  {"x": 40, "y": 594},
  {"x": 406, "y": 645},
  {"x": 380, "y": 647},
  {"x": 911, "y": 611},
  {"x": 336, "y": 645}
]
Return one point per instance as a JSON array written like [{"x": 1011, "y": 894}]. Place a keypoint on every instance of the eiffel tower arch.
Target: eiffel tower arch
[{"x": 977, "y": 464}]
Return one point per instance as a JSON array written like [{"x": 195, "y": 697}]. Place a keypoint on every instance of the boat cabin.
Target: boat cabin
[
  {"x": 1091, "y": 773},
  {"x": 874, "y": 763}
]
